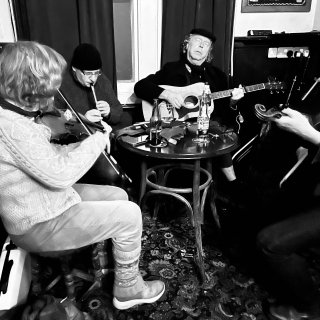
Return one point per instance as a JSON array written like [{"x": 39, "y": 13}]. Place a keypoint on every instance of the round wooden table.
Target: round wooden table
[{"x": 185, "y": 151}]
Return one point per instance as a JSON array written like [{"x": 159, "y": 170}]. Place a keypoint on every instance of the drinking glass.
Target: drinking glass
[{"x": 167, "y": 113}]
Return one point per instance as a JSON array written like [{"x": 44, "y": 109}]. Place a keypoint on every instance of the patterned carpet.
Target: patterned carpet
[{"x": 168, "y": 250}]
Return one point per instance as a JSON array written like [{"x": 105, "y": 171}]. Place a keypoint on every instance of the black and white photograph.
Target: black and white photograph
[{"x": 159, "y": 159}]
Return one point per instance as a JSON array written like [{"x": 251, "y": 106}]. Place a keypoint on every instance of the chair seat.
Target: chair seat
[{"x": 57, "y": 254}]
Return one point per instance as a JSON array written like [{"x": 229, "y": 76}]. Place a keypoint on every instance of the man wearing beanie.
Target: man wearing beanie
[
  {"x": 193, "y": 67},
  {"x": 91, "y": 94},
  {"x": 89, "y": 91}
]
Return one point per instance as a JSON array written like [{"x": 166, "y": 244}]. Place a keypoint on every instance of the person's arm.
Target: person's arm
[
  {"x": 297, "y": 123},
  {"x": 174, "y": 98},
  {"x": 106, "y": 95},
  {"x": 236, "y": 95},
  {"x": 52, "y": 165},
  {"x": 225, "y": 110},
  {"x": 150, "y": 88}
]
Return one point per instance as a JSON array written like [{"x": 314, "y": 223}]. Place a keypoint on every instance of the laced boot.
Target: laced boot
[{"x": 129, "y": 287}]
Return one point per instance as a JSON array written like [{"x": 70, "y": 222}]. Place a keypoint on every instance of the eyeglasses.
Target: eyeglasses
[
  {"x": 91, "y": 73},
  {"x": 204, "y": 43}
]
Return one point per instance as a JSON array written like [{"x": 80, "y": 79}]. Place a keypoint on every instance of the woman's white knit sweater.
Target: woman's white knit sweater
[{"x": 36, "y": 176}]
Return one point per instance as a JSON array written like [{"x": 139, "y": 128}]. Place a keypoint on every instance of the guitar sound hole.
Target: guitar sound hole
[{"x": 191, "y": 101}]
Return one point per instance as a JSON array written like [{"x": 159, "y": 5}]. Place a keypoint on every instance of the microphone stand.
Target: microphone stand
[
  {"x": 305, "y": 67},
  {"x": 286, "y": 105}
]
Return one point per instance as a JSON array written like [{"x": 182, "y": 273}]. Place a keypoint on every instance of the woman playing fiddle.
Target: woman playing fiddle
[{"x": 42, "y": 208}]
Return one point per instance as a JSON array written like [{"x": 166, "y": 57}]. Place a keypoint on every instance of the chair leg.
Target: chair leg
[
  {"x": 100, "y": 256},
  {"x": 213, "y": 205},
  {"x": 99, "y": 262},
  {"x": 68, "y": 277},
  {"x": 36, "y": 288}
]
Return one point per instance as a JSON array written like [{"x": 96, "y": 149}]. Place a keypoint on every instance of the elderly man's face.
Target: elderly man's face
[
  {"x": 198, "y": 49},
  {"x": 86, "y": 78}
]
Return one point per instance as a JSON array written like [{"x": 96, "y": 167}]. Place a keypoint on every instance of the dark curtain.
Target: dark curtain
[
  {"x": 181, "y": 16},
  {"x": 63, "y": 25}
]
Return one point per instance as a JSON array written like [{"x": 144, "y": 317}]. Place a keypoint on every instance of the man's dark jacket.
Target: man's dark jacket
[{"x": 177, "y": 74}]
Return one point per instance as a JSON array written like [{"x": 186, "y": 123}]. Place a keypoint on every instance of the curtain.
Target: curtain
[
  {"x": 181, "y": 16},
  {"x": 63, "y": 25}
]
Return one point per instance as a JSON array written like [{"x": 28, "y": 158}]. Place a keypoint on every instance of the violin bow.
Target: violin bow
[{"x": 111, "y": 160}]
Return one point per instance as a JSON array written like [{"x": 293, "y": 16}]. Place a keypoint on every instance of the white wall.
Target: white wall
[
  {"x": 290, "y": 22},
  {"x": 6, "y": 29}
]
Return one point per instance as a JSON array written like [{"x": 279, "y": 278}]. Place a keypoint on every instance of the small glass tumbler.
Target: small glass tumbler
[{"x": 167, "y": 113}]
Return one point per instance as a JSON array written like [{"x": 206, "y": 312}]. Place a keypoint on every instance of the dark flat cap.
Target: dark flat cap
[{"x": 204, "y": 33}]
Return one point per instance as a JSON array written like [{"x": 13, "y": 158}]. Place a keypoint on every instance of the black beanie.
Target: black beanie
[
  {"x": 86, "y": 57},
  {"x": 204, "y": 33}
]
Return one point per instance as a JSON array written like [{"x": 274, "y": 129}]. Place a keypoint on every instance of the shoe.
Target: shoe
[
  {"x": 290, "y": 313},
  {"x": 152, "y": 291}
]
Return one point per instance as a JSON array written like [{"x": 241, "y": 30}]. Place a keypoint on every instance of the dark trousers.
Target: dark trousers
[{"x": 281, "y": 245}]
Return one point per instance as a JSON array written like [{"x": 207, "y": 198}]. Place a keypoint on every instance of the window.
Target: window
[
  {"x": 137, "y": 28},
  {"x": 123, "y": 35}
]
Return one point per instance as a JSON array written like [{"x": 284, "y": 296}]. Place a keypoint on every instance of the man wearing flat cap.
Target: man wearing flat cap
[
  {"x": 89, "y": 91},
  {"x": 194, "y": 67}
]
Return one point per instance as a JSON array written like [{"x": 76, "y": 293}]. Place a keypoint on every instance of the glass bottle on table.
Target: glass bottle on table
[
  {"x": 203, "y": 120},
  {"x": 155, "y": 125}
]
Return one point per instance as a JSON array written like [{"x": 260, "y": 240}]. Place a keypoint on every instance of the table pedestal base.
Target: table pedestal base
[{"x": 159, "y": 186}]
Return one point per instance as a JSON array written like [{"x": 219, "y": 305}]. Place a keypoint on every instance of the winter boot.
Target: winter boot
[{"x": 129, "y": 287}]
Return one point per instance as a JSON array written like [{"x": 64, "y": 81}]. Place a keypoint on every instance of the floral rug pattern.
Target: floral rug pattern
[
  {"x": 167, "y": 254},
  {"x": 168, "y": 250}
]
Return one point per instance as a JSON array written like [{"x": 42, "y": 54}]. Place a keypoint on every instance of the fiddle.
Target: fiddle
[
  {"x": 64, "y": 126},
  {"x": 265, "y": 114},
  {"x": 70, "y": 126},
  {"x": 268, "y": 115}
]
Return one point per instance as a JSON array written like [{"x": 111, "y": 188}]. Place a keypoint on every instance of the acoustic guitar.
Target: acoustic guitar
[{"x": 192, "y": 93}]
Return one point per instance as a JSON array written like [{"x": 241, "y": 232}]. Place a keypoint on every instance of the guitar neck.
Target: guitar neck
[{"x": 228, "y": 93}]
